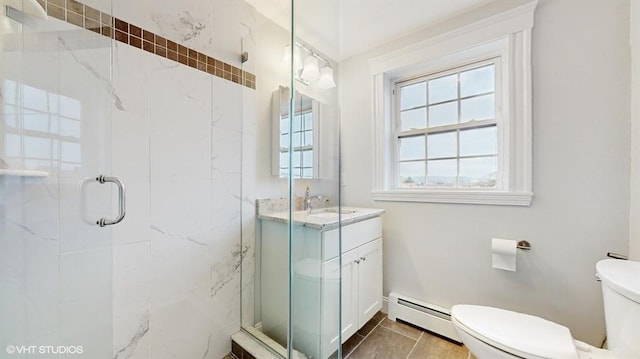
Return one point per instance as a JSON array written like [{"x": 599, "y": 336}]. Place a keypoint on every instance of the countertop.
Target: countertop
[{"x": 317, "y": 221}]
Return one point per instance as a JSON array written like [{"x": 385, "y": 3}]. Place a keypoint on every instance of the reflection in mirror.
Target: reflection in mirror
[{"x": 295, "y": 136}]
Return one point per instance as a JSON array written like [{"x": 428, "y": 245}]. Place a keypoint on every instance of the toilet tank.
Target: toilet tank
[{"x": 621, "y": 296}]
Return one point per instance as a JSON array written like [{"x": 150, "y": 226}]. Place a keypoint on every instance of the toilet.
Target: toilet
[{"x": 493, "y": 333}]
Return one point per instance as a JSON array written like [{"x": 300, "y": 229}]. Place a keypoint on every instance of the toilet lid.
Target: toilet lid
[{"x": 516, "y": 333}]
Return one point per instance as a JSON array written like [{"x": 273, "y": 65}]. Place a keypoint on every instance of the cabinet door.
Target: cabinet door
[
  {"x": 349, "y": 293},
  {"x": 369, "y": 280}
]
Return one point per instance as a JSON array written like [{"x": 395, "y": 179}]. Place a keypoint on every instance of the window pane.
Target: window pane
[
  {"x": 308, "y": 121},
  {"x": 11, "y": 110},
  {"x": 479, "y": 141},
  {"x": 69, "y": 127},
  {"x": 297, "y": 123},
  {"x": 477, "y": 81},
  {"x": 297, "y": 172},
  {"x": 284, "y": 158},
  {"x": 284, "y": 125},
  {"x": 308, "y": 138},
  {"x": 443, "y": 114},
  {"x": 70, "y": 152},
  {"x": 413, "y": 119},
  {"x": 296, "y": 159},
  {"x": 37, "y": 99},
  {"x": 284, "y": 172},
  {"x": 307, "y": 172},
  {"x": 36, "y": 122},
  {"x": 441, "y": 173},
  {"x": 54, "y": 103},
  {"x": 413, "y": 95},
  {"x": 442, "y": 145},
  {"x": 70, "y": 107},
  {"x": 10, "y": 92},
  {"x": 477, "y": 108},
  {"x": 297, "y": 139},
  {"x": 411, "y": 148},
  {"x": 478, "y": 172},
  {"x": 11, "y": 120},
  {"x": 284, "y": 141},
  {"x": 37, "y": 163},
  {"x": 443, "y": 89},
  {"x": 411, "y": 174},
  {"x": 37, "y": 147},
  {"x": 307, "y": 159},
  {"x": 12, "y": 145}
]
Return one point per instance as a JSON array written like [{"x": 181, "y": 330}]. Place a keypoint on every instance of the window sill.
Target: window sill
[{"x": 459, "y": 197}]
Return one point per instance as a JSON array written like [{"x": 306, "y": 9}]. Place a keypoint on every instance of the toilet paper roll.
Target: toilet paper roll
[{"x": 503, "y": 253}]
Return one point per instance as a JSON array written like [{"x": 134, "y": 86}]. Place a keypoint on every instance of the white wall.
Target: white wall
[
  {"x": 634, "y": 213},
  {"x": 271, "y": 40},
  {"x": 440, "y": 253}
]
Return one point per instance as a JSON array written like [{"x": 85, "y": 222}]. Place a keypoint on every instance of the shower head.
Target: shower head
[{"x": 29, "y": 7}]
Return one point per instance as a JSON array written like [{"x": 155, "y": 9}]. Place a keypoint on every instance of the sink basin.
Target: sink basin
[
  {"x": 325, "y": 215},
  {"x": 331, "y": 210},
  {"x": 330, "y": 213},
  {"x": 341, "y": 211}
]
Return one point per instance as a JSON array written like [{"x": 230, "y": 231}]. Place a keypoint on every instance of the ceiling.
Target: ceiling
[{"x": 343, "y": 28}]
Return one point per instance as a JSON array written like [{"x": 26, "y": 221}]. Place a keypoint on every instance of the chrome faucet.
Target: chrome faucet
[{"x": 307, "y": 200}]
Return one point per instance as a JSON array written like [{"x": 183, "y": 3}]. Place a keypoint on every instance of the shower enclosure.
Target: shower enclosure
[{"x": 137, "y": 143}]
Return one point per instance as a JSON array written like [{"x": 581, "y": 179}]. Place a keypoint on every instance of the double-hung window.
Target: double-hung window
[
  {"x": 452, "y": 114},
  {"x": 446, "y": 128}
]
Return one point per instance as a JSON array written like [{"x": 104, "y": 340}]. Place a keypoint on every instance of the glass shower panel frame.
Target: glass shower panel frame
[
  {"x": 314, "y": 253},
  {"x": 55, "y": 260}
]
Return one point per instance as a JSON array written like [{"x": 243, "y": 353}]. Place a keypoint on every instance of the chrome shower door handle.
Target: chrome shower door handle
[{"x": 121, "y": 201}]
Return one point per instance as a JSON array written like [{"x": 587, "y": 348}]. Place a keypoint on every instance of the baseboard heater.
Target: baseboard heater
[{"x": 424, "y": 315}]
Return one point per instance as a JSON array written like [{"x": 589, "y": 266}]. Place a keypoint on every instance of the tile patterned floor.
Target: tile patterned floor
[{"x": 382, "y": 338}]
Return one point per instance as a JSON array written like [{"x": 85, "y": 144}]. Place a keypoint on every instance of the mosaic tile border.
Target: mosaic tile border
[{"x": 102, "y": 23}]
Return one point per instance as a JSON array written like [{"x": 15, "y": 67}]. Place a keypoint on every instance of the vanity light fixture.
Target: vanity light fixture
[
  {"x": 326, "y": 78},
  {"x": 310, "y": 72},
  {"x": 297, "y": 61},
  {"x": 316, "y": 71}
]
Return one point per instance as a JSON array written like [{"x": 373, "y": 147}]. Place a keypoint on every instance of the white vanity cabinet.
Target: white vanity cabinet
[
  {"x": 361, "y": 278},
  {"x": 361, "y": 286},
  {"x": 316, "y": 282}
]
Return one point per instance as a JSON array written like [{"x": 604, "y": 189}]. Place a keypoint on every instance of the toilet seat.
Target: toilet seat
[{"x": 519, "y": 334}]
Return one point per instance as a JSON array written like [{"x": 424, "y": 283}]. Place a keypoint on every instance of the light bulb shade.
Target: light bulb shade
[
  {"x": 297, "y": 60},
  {"x": 310, "y": 71},
  {"x": 286, "y": 58},
  {"x": 326, "y": 78}
]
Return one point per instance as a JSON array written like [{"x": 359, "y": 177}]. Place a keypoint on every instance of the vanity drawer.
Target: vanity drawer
[{"x": 353, "y": 235}]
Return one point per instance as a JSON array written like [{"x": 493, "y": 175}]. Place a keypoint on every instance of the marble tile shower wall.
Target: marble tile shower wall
[
  {"x": 176, "y": 136},
  {"x": 178, "y": 143}
]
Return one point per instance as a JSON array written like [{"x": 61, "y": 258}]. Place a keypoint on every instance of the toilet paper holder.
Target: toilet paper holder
[{"x": 524, "y": 245}]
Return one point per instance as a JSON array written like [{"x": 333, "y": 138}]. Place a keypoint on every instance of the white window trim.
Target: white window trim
[{"x": 508, "y": 35}]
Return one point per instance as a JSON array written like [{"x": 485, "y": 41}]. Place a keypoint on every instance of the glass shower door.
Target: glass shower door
[
  {"x": 291, "y": 288},
  {"x": 55, "y": 140}
]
